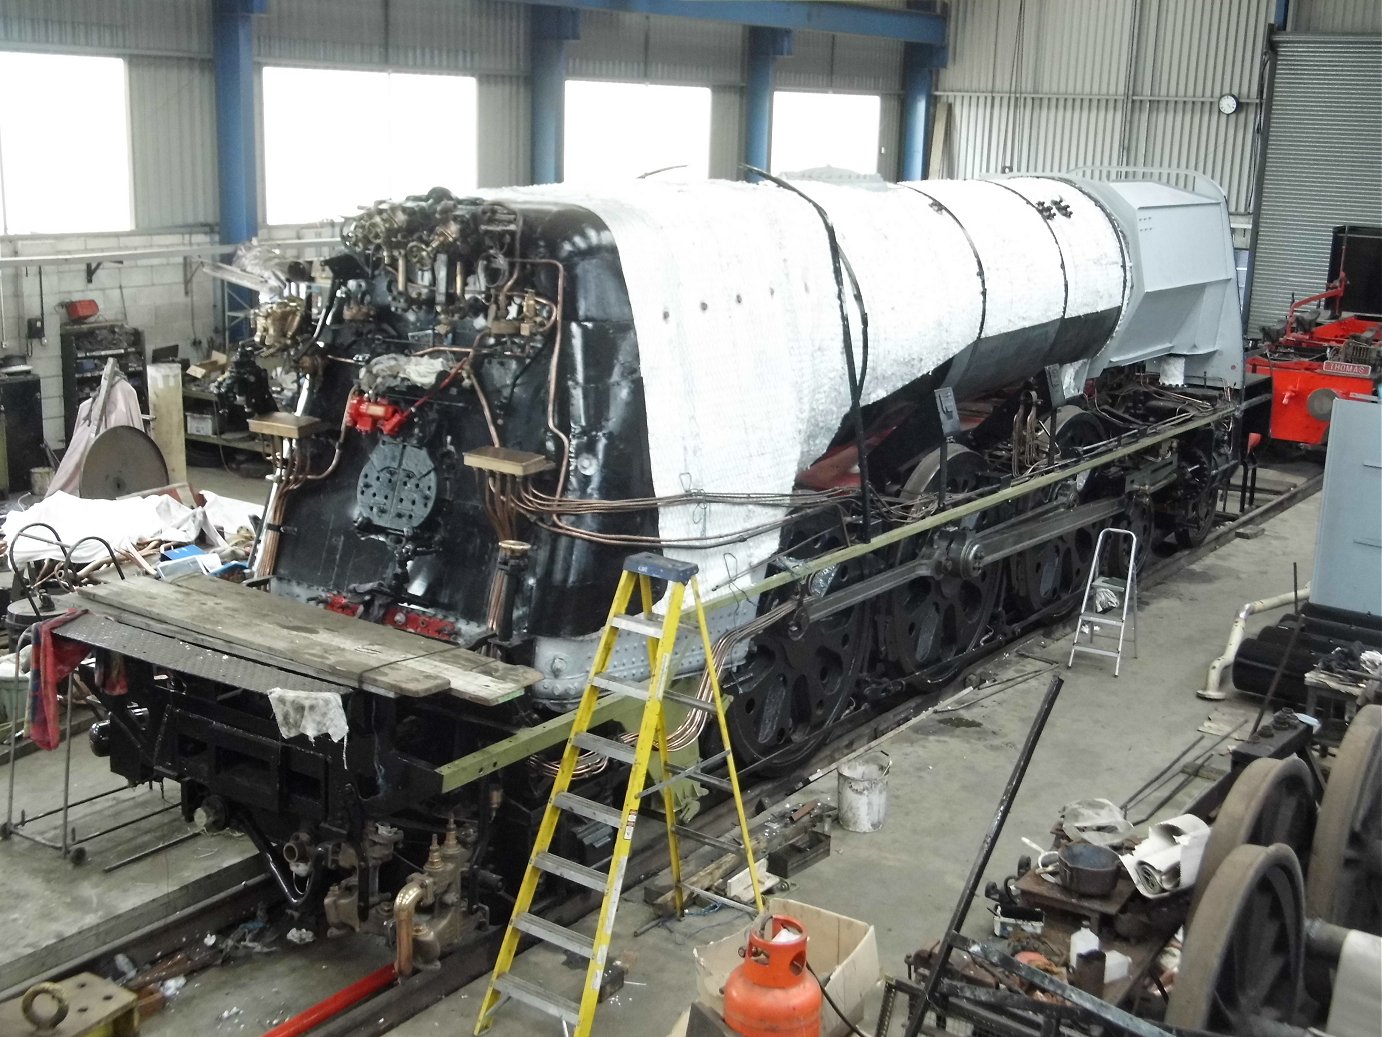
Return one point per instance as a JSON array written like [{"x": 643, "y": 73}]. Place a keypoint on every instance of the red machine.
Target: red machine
[{"x": 1312, "y": 364}]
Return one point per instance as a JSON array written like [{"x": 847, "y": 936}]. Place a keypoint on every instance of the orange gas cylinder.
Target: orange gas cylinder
[{"x": 772, "y": 994}]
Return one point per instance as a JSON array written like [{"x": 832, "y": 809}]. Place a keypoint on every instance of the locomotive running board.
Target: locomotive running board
[
  {"x": 299, "y": 638},
  {"x": 1129, "y": 445}
]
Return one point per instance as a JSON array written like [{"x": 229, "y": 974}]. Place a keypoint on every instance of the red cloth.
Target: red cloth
[{"x": 54, "y": 658}]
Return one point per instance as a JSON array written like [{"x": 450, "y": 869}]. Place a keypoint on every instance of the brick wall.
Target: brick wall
[{"x": 148, "y": 294}]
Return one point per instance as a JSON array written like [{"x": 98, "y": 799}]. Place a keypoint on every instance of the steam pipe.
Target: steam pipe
[
  {"x": 1211, "y": 688},
  {"x": 414, "y": 892}
]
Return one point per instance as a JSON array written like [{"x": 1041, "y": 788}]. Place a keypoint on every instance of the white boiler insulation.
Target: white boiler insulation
[{"x": 739, "y": 334}]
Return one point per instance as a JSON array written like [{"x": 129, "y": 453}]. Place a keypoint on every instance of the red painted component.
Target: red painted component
[
  {"x": 81, "y": 309},
  {"x": 1293, "y": 383},
  {"x": 435, "y": 627},
  {"x": 366, "y": 415},
  {"x": 344, "y": 606},
  {"x": 772, "y": 994},
  {"x": 335, "y": 1004}
]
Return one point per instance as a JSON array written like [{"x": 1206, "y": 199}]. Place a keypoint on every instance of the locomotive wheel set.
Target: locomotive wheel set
[{"x": 889, "y": 440}]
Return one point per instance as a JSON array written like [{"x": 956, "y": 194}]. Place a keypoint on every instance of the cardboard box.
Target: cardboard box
[
  {"x": 214, "y": 364},
  {"x": 842, "y": 951}
]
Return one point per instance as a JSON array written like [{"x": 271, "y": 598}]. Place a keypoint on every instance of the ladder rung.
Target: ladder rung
[
  {"x": 1110, "y": 583},
  {"x": 577, "y": 873},
  {"x": 691, "y": 702},
  {"x": 717, "y": 898},
  {"x": 1100, "y": 617},
  {"x": 648, "y": 626},
  {"x": 631, "y": 690},
  {"x": 708, "y": 840},
  {"x": 695, "y": 773},
  {"x": 588, "y": 809},
  {"x": 531, "y": 994},
  {"x": 557, "y": 935},
  {"x": 1097, "y": 651},
  {"x": 615, "y": 750}
]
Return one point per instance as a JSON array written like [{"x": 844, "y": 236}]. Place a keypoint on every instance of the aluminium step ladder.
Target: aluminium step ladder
[
  {"x": 1090, "y": 621},
  {"x": 660, "y": 632}
]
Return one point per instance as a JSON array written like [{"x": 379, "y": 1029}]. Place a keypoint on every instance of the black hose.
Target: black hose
[{"x": 831, "y": 1002}]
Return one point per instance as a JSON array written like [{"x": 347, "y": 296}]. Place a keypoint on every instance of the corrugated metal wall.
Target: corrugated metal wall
[
  {"x": 1344, "y": 16},
  {"x": 167, "y": 27},
  {"x": 1054, "y": 85},
  {"x": 172, "y": 141},
  {"x": 1303, "y": 197}
]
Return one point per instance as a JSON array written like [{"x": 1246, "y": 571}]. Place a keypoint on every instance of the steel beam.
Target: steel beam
[
  {"x": 919, "y": 64},
  {"x": 237, "y": 171},
  {"x": 765, "y": 46},
  {"x": 909, "y": 26},
  {"x": 550, "y": 29}
]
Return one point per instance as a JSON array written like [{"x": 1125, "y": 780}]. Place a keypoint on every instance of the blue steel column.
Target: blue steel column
[
  {"x": 919, "y": 62},
  {"x": 550, "y": 30},
  {"x": 237, "y": 172},
  {"x": 765, "y": 47}
]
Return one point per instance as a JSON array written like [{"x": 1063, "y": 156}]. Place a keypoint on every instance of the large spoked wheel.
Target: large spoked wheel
[
  {"x": 797, "y": 680},
  {"x": 1245, "y": 951},
  {"x": 1346, "y": 859},
  {"x": 1196, "y": 520},
  {"x": 932, "y": 620},
  {"x": 1273, "y": 801}
]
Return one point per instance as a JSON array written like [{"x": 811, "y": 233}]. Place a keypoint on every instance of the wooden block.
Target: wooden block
[
  {"x": 285, "y": 425},
  {"x": 505, "y": 461}
]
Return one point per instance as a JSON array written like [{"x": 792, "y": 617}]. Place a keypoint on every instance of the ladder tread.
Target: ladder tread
[
  {"x": 588, "y": 809},
  {"x": 1098, "y": 651},
  {"x": 718, "y": 898},
  {"x": 630, "y": 689},
  {"x": 607, "y": 747},
  {"x": 643, "y": 623},
  {"x": 1102, "y": 617},
  {"x": 557, "y": 935},
  {"x": 691, "y": 702},
  {"x": 537, "y": 997},
  {"x": 569, "y": 869}
]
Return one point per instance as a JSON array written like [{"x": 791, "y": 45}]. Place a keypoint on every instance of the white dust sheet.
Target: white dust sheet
[{"x": 739, "y": 334}]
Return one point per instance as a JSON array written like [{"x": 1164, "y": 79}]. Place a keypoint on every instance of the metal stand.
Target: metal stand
[{"x": 70, "y": 846}]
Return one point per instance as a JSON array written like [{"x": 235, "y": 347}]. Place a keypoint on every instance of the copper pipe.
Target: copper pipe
[{"x": 405, "y": 906}]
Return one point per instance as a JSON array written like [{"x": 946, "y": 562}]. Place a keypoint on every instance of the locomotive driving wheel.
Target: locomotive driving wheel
[
  {"x": 930, "y": 621},
  {"x": 1273, "y": 801},
  {"x": 1244, "y": 952},
  {"x": 1346, "y": 859},
  {"x": 797, "y": 678},
  {"x": 1196, "y": 518}
]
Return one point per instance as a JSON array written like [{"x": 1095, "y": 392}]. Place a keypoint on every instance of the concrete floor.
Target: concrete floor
[{"x": 1105, "y": 738}]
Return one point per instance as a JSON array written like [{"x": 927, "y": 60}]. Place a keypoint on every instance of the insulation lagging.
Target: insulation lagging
[{"x": 740, "y": 339}]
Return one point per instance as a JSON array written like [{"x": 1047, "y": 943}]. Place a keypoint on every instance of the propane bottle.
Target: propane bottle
[{"x": 772, "y": 994}]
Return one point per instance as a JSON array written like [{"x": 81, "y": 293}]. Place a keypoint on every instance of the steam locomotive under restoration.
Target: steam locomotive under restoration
[{"x": 887, "y": 421}]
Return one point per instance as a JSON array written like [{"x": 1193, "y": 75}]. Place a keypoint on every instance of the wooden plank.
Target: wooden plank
[
  {"x": 485, "y": 683},
  {"x": 305, "y": 639}
]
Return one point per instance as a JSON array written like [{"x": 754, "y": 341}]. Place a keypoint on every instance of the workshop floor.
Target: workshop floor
[{"x": 1106, "y": 737}]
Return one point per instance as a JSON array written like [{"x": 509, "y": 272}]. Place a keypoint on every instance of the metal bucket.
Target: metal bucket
[{"x": 863, "y": 792}]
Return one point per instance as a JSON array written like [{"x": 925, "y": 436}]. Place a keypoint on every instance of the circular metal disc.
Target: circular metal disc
[
  {"x": 1273, "y": 801},
  {"x": 121, "y": 460},
  {"x": 1344, "y": 886},
  {"x": 1244, "y": 951}
]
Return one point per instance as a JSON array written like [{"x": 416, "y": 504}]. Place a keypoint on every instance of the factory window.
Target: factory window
[
  {"x": 335, "y": 140},
  {"x": 815, "y": 130},
  {"x": 64, "y": 144},
  {"x": 623, "y": 130}
]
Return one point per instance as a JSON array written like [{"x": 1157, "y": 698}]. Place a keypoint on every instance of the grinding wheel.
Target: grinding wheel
[
  {"x": 1345, "y": 885},
  {"x": 1244, "y": 952},
  {"x": 121, "y": 460},
  {"x": 1273, "y": 801}
]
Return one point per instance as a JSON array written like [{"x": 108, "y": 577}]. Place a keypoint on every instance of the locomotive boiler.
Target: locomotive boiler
[{"x": 886, "y": 421}]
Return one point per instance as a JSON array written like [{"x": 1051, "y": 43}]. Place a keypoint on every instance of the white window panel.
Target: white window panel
[
  {"x": 811, "y": 131},
  {"x": 622, "y": 130},
  {"x": 64, "y": 144},
  {"x": 337, "y": 140}
]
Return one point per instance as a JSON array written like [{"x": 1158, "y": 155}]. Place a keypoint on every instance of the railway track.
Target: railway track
[{"x": 474, "y": 958}]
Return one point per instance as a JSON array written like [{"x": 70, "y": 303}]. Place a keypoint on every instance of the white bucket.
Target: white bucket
[{"x": 863, "y": 792}]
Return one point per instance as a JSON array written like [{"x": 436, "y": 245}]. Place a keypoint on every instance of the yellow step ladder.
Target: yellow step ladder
[{"x": 661, "y": 634}]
